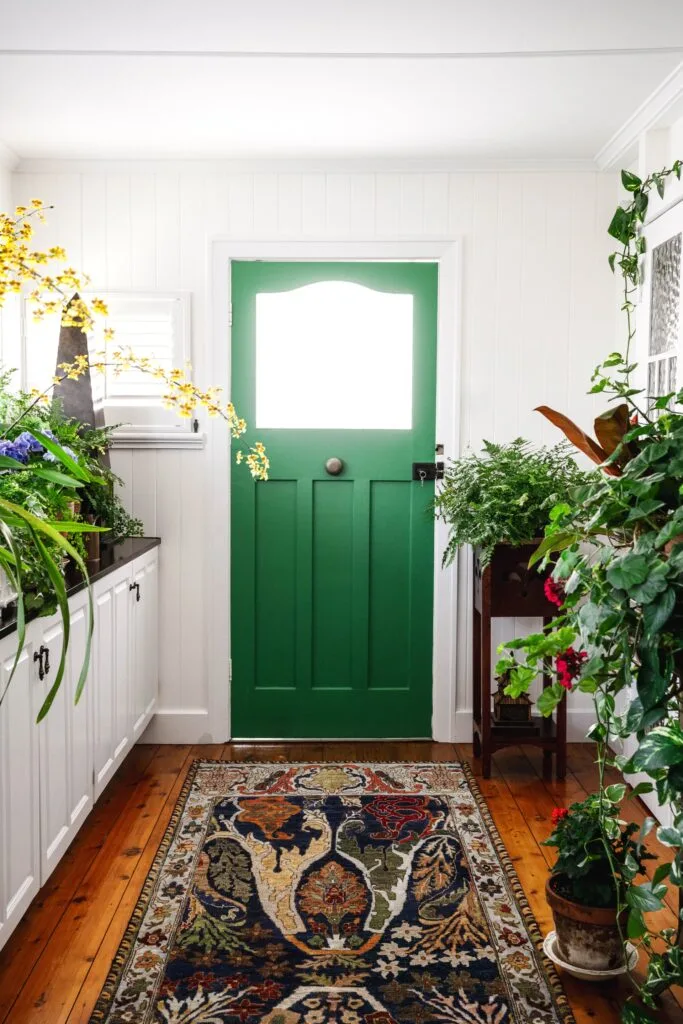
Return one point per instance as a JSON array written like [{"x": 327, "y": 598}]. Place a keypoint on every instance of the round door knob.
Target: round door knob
[{"x": 334, "y": 466}]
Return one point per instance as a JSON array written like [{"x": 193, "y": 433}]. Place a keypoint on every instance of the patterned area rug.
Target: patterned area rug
[{"x": 331, "y": 894}]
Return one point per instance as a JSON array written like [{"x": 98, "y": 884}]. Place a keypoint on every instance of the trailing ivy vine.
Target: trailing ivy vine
[{"x": 617, "y": 551}]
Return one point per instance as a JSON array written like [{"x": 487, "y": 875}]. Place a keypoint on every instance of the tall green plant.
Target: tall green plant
[{"x": 618, "y": 635}]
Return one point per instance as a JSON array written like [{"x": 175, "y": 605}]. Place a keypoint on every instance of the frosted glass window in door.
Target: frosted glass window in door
[{"x": 334, "y": 355}]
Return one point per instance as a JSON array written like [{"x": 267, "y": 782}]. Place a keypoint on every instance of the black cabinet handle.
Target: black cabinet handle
[
  {"x": 43, "y": 667},
  {"x": 38, "y": 656},
  {"x": 136, "y": 588}
]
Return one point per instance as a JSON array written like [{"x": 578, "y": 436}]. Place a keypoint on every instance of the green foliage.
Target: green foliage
[
  {"x": 504, "y": 493},
  {"x": 53, "y": 490},
  {"x": 619, "y": 553},
  {"x": 587, "y": 871}
]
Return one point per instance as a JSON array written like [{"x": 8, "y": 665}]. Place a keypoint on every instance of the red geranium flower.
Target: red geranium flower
[
  {"x": 553, "y": 591},
  {"x": 568, "y": 666},
  {"x": 558, "y": 814}
]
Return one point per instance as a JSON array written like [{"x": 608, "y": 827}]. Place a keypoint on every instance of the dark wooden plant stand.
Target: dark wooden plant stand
[{"x": 507, "y": 588}]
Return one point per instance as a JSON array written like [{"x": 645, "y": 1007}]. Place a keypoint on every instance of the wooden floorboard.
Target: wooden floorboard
[{"x": 53, "y": 967}]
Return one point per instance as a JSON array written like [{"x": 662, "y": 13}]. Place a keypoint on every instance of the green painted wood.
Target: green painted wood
[{"x": 332, "y": 577}]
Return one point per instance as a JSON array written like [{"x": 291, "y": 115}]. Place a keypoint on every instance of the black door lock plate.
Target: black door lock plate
[{"x": 423, "y": 471}]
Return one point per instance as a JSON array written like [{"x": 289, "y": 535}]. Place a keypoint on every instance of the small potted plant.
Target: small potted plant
[
  {"x": 587, "y": 885},
  {"x": 503, "y": 495}
]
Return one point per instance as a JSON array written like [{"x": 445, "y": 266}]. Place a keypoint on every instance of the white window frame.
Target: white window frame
[
  {"x": 145, "y": 423},
  {"x": 657, "y": 231}
]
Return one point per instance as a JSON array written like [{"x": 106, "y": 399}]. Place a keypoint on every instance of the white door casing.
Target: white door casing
[{"x": 447, "y": 253}]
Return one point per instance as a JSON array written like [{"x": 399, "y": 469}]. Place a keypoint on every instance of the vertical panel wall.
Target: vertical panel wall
[{"x": 538, "y": 312}]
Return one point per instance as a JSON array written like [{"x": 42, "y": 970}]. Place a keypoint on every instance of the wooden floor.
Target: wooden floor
[{"x": 53, "y": 967}]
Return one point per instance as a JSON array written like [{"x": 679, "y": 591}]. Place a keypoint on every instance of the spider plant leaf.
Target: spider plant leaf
[
  {"x": 71, "y": 464},
  {"x": 12, "y": 566},
  {"x": 59, "y": 586}
]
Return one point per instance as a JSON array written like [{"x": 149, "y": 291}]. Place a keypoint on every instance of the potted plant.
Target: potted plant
[
  {"x": 586, "y": 884},
  {"x": 618, "y": 633},
  {"x": 503, "y": 495}
]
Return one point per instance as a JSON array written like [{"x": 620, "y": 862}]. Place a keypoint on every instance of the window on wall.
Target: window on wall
[
  {"x": 660, "y": 317},
  {"x": 153, "y": 325}
]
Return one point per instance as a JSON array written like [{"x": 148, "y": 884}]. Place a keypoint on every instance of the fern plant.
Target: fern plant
[{"x": 503, "y": 494}]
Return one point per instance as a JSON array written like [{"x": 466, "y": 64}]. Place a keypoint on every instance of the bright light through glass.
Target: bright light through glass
[{"x": 334, "y": 355}]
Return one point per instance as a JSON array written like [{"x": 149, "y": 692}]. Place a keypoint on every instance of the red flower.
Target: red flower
[
  {"x": 568, "y": 666},
  {"x": 553, "y": 591},
  {"x": 558, "y": 814}
]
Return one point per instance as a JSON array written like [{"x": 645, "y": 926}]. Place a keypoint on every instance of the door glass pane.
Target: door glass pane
[{"x": 334, "y": 355}]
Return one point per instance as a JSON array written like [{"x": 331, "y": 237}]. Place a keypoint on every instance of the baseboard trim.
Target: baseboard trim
[
  {"x": 195, "y": 726},
  {"x": 182, "y": 726},
  {"x": 579, "y": 721}
]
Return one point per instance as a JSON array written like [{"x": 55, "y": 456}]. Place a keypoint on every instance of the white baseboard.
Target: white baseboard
[
  {"x": 579, "y": 721},
  {"x": 182, "y": 726}
]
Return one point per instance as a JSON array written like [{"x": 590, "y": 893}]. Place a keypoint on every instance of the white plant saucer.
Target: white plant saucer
[{"x": 549, "y": 948}]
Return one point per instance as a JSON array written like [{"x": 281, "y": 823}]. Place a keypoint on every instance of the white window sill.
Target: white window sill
[{"x": 158, "y": 439}]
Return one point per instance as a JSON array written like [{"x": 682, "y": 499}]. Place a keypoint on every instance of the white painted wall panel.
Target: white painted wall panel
[{"x": 538, "y": 312}]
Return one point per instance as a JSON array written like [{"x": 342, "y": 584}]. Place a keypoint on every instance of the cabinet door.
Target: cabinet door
[
  {"x": 66, "y": 789},
  {"x": 111, "y": 675},
  {"x": 19, "y": 789},
  {"x": 145, "y": 640}
]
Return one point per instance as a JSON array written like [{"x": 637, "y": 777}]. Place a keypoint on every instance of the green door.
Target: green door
[{"x": 332, "y": 573}]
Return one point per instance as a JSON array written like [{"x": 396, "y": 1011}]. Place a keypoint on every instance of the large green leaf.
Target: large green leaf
[
  {"x": 658, "y": 612},
  {"x": 642, "y": 897},
  {"x": 12, "y": 567},
  {"x": 628, "y": 571},
  {"x": 59, "y": 587},
  {"x": 56, "y": 449},
  {"x": 661, "y": 748}
]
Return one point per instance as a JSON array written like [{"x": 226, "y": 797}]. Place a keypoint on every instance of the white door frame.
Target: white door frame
[{"x": 447, "y": 253}]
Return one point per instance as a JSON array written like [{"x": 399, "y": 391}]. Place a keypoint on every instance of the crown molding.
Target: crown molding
[
  {"x": 648, "y": 115},
  {"x": 8, "y": 158},
  {"x": 386, "y": 165}
]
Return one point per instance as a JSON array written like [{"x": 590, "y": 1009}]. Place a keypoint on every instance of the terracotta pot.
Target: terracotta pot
[{"x": 587, "y": 937}]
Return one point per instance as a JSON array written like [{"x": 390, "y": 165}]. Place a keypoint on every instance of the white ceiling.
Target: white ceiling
[{"x": 441, "y": 80}]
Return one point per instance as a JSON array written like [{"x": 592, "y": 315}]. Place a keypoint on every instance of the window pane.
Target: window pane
[
  {"x": 334, "y": 355},
  {"x": 665, "y": 296}
]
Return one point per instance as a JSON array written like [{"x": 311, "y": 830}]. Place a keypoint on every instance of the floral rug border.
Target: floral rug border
[{"x": 109, "y": 989}]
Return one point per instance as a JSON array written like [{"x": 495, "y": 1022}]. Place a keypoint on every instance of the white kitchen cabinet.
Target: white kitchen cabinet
[
  {"x": 112, "y": 694},
  {"x": 19, "y": 788},
  {"x": 145, "y": 656},
  {"x": 50, "y": 773}
]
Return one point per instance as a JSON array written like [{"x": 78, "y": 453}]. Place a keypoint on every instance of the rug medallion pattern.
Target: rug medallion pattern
[{"x": 331, "y": 894}]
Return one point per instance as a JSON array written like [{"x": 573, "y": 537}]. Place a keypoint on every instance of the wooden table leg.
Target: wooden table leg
[{"x": 476, "y": 681}]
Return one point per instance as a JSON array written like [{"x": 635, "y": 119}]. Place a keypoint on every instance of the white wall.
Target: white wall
[{"x": 538, "y": 313}]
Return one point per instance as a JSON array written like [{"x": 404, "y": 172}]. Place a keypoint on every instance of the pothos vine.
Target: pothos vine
[{"x": 618, "y": 568}]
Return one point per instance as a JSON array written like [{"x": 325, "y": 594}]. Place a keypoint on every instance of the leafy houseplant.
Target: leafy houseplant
[
  {"x": 503, "y": 494},
  {"x": 618, "y": 573},
  {"x": 42, "y": 480},
  {"x": 586, "y": 885}
]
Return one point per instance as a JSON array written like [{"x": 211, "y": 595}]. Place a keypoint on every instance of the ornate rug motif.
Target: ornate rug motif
[{"x": 331, "y": 894}]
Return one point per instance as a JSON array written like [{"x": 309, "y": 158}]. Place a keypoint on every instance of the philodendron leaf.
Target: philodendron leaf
[
  {"x": 641, "y": 897},
  {"x": 657, "y": 613},
  {"x": 670, "y": 836},
  {"x": 630, "y": 181},
  {"x": 620, "y": 226},
  {"x": 584, "y": 442},
  {"x": 661, "y": 748},
  {"x": 610, "y": 428}
]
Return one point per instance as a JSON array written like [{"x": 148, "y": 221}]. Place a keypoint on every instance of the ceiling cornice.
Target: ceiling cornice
[
  {"x": 383, "y": 55},
  {"x": 275, "y": 165},
  {"x": 8, "y": 158},
  {"x": 648, "y": 115}
]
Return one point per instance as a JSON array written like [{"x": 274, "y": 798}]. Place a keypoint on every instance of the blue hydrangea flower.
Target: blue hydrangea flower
[
  {"x": 49, "y": 457},
  {"x": 14, "y": 451},
  {"x": 31, "y": 443}
]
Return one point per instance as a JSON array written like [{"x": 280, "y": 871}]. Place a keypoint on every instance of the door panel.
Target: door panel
[{"x": 332, "y": 576}]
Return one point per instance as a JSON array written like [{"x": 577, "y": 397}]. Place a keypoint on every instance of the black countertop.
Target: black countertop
[{"x": 113, "y": 556}]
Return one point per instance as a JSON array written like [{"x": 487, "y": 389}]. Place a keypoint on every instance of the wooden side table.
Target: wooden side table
[{"x": 507, "y": 588}]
